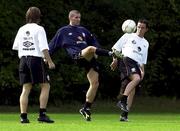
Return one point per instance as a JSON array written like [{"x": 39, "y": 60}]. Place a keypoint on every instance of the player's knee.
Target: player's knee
[
  {"x": 27, "y": 88},
  {"x": 95, "y": 84},
  {"x": 137, "y": 79},
  {"x": 45, "y": 87},
  {"x": 91, "y": 49}
]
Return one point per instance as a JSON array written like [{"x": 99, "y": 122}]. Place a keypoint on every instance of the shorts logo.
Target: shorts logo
[
  {"x": 133, "y": 70},
  {"x": 48, "y": 78}
]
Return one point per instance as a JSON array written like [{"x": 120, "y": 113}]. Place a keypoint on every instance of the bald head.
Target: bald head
[
  {"x": 74, "y": 17},
  {"x": 73, "y": 12}
]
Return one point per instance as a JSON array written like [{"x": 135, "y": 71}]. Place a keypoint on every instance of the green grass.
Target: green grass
[
  {"x": 101, "y": 122},
  {"x": 148, "y": 114}
]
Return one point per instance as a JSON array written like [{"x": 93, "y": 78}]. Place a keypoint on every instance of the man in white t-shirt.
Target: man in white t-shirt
[
  {"x": 133, "y": 48},
  {"x": 31, "y": 44}
]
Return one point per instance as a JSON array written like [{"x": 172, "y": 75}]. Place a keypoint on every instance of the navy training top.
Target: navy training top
[{"x": 73, "y": 39}]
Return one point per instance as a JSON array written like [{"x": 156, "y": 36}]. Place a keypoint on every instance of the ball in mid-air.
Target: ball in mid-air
[{"x": 128, "y": 26}]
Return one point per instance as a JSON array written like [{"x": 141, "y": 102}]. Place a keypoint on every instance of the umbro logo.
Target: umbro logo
[
  {"x": 27, "y": 44},
  {"x": 133, "y": 69}
]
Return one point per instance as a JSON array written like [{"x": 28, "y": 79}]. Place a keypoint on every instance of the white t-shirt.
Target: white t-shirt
[
  {"x": 30, "y": 40},
  {"x": 133, "y": 46}
]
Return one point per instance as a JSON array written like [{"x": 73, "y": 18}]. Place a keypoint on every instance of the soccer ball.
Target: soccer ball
[{"x": 128, "y": 26}]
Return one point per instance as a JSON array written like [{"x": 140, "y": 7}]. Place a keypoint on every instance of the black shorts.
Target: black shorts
[
  {"x": 32, "y": 70},
  {"x": 87, "y": 64},
  {"x": 127, "y": 67}
]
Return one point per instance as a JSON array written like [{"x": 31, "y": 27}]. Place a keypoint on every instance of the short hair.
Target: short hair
[
  {"x": 145, "y": 21},
  {"x": 33, "y": 15},
  {"x": 72, "y": 12}
]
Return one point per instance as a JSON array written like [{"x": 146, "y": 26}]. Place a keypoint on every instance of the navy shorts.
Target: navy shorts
[
  {"x": 32, "y": 70},
  {"x": 88, "y": 64}
]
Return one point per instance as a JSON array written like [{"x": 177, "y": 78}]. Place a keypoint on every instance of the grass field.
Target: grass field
[{"x": 156, "y": 115}]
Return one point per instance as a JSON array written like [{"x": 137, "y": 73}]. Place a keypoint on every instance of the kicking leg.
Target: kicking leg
[{"x": 93, "y": 78}]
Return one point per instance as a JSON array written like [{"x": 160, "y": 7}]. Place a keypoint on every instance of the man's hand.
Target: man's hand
[
  {"x": 114, "y": 64},
  {"x": 51, "y": 65}
]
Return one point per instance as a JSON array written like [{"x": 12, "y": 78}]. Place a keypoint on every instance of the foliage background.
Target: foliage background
[{"x": 104, "y": 19}]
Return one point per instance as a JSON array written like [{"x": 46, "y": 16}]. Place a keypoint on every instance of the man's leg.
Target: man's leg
[
  {"x": 124, "y": 115},
  {"x": 44, "y": 95},
  {"x": 43, "y": 99},
  {"x": 24, "y": 102},
  {"x": 90, "y": 51},
  {"x": 135, "y": 79},
  {"x": 93, "y": 78},
  {"x": 130, "y": 98}
]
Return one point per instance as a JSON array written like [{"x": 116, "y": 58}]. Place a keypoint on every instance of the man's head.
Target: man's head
[
  {"x": 142, "y": 27},
  {"x": 33, "y": 15},
  {"x": 74, "y": 17}
]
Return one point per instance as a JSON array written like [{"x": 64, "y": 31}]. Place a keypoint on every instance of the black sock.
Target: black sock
[
  {"x": 124, "y": 99},
  {"x": 124, "y": 114},
  {"x": 87, "y": 105},
  {"x": 42, "y": 112},
  {"x": 103, "y": 52},
  {"x": 24, "y": 115}
]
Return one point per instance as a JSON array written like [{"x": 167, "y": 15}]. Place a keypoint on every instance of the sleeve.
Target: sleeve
[
  {"x": 16, "y": 42},
  {"x": 146, "y": 54},
  {"x": 94, "y": 41},
  {"x": 119, "y": 44},
  {"x": 43, "y": 44},
  {"x": 56, "y": 42},
  {"x": 91, "y": 39}
]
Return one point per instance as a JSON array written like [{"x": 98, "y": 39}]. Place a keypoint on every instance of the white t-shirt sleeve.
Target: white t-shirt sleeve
[
  {"x": 16, "y": 42},
  {"x": 43, "y": 44},
  {"x": 119, "y": 44},
  {"x": 146, "y": 54}
]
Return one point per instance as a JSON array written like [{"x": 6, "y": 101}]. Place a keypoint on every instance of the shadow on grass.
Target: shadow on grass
[{"x": 140, "y": 105}]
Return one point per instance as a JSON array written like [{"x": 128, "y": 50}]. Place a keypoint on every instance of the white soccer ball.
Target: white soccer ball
[{"x": 128, "y": 26}]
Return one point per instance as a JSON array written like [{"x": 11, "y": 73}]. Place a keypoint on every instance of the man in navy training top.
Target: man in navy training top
[{"x": 83, "y": 48}]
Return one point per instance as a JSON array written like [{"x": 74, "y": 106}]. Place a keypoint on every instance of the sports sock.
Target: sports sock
[
  {"x": 42, "y": 112},
  {"x": 124, "y": 99},
  {"x": 87, "y": 105},
  {"x": 124, "y": 114},
  {"x": 24, "y": 115},
  {"x": 103, "y": 52}
]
